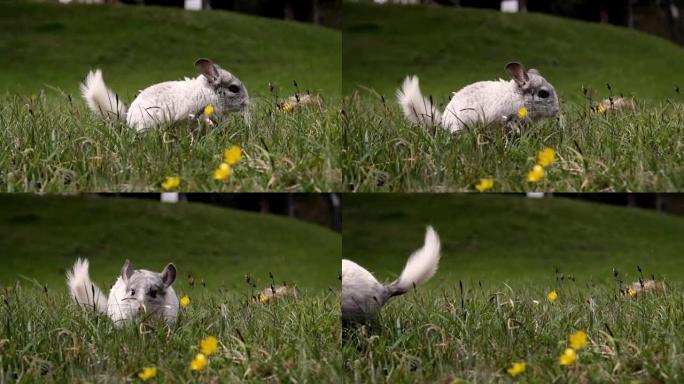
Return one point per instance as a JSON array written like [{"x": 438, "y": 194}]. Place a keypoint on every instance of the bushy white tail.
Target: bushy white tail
[
  {"x": 100, "y": 99},
  {"x": 83, "y": 290},
  {"x": 417, "y": 108},
  {"x": 421, "y": 266}
]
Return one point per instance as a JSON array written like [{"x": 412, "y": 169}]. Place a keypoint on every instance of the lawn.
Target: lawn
[
  {"x": 51, "y": 142},
  {"x": 636, "y": 149},
  {"x": 487, "y": 306}
]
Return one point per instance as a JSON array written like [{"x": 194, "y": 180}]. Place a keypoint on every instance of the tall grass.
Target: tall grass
[
  {"x": 51, "y": 144},
  {"x": 474, "y": 333},
  {"x": 622, "y": 150},
  {"x": 45, "y": 338}
]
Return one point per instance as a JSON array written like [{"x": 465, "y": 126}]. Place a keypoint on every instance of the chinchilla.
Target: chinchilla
[
  {"x": 363, "y": 296},
  {"x": 171, "y": 100},
  {"x": 135, "y": 292},
  {"x": 484, "y": 101}
]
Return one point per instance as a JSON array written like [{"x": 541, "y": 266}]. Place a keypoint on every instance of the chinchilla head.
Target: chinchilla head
[
  {"x": 232, "y": 94},
  {"x": 147, "y": 290},
  {"x": 540, "y": 97}
]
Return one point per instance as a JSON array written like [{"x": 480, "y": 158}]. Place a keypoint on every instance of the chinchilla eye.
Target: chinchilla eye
[
  {"x": 543, "y": 94},
  {"x": 234, "y": 88},
  {"x": 153, "y": 293}
]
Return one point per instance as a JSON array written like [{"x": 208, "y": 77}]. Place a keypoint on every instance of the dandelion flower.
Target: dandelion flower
[
  {"x": 263, "y": 298},
  {"x": 485, "y": 184},
  {"x": 522, "y": 113},
  {"x": 208, "y": 110},
  {"x": 222, "y": 172},
  {"x": 568, "y": 357},
  {"x": 185, "y": 301},
  {"x": 147, "y": 373},
  {"x": 578, "y": 340},
  {"x": 546, "y": 157},
  {"x": 287, "y": 107},
  {"x": 536, "y": 174},
  {"x": 232, "y": 155},
  {"x": 552, "y": 296},
  {"x": 171, "y": 183},
  {"x": 199, "y": 362},
  {"x": 602, "y": 109},
  {"x": 631, "y": 292},
  {"x": 516, "y": 368},
  {"x": 208, "y": 346}
]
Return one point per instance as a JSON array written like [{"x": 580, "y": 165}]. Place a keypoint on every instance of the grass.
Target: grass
[
  {"x": 48, "y": 339},
  {"x": 51, "y": 142},
  {"x": 624, "y": 150},
  {"x": 500, "y": 254},
  {"x": 43, "y": 236},
  {"x": 450, "y": 335}
]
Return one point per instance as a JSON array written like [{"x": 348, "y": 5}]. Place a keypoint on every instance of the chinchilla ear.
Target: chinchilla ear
[
  {"x": 208, "y": 69},
  {"x": 168, "y": 275},
  {"x": 126, "y": 270},
  {"x": 517, "y": 72},
  {"x": 533, "y": 71}
]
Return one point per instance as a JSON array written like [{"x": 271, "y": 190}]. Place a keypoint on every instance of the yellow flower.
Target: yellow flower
[
  {"x": 198, "y": 363},
  {"x": 536, "y": 174},
  {"x": 171, "y": 183},
  {"x": 232, "y": 155},
  {"x": 485, "y": 184},
  {"x": 522, "y": 113},
  {"x": 263, "y": 298},
  {"x": 208, "y": 110},
  {"x": 222, "y": 172},
  {"x": 147, "y": 373},
  {"x": 568, "y": 357},
  {"x": 578, "y": 340},
  {"x": 287, "y": 107},
  {"x": 631, "y": 292},
  {"x": 185, "y": 301},
  {"x": 552, "y": 296},
  {"x": 516, "y": 368},
  {"x": 602, "y": 109},
  {"x": 546, "y": 157},
  {"x": 208, "y": 346}
]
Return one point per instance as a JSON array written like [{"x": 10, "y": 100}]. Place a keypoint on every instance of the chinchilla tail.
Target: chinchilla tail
[
  {"x": 417, "y": 108},
  {"x": 420, "y": 267},
  {"x": 83, "y": 290},
  {"x": 100, "y": 99}
]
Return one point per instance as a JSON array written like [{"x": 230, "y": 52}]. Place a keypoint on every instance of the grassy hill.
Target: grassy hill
[
  {"x": 499, "y": 238},
  {"x": 51, "y": 44},
  {"x": 452, "y": 47},
  {"x": 43, "y": 235}
]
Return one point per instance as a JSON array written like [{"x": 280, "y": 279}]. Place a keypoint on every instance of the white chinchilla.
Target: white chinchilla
[
  {"x": 135, "y": 292},
  {"x": 363, "y": 295},
  {"x": 171, "y": 100},
  {"x": 484, "y": 101}
]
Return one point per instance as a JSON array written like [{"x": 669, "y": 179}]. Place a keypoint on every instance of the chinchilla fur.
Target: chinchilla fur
[
  {"x": 171, "y": 100},
  {"x": 136, "y": 292},
  {"x": 482, "y": 102},
  {"x": 363, "y": 296}
]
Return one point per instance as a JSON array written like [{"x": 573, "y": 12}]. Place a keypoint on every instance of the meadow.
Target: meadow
[
  {"x": 224, "y": 258},
  {"x": 629, "y": 149},
  {"x": 487, "y": 307},
  {"x": 51, "y": 142}
]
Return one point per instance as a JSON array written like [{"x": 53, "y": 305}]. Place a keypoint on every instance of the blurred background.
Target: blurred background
[
  {"x": 217, "y": 240},
  {"x": 585, "y": 48},
  {"x": 515, "y": 238}
]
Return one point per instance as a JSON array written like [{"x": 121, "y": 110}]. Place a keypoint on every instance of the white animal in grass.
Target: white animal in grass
[
  {"x": 171, "y": 100},
  {"x": 482, "y": 102},
  {"x": 136, "y": 292},
  {"x": 363, "y": 296}
]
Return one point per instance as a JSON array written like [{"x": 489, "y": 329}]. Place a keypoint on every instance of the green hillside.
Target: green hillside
[
  {"x": 43, "y": 235},
  {"x": 48, "y": 44},
  {"x": 451, "y": 47},
  {"x": 499, "y": 238}
]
